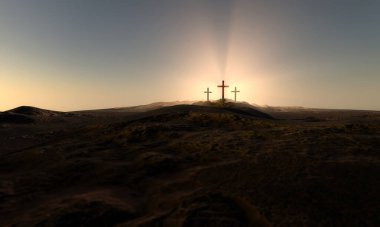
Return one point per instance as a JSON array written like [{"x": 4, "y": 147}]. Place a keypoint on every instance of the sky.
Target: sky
[{"x": 90, "y": 54}]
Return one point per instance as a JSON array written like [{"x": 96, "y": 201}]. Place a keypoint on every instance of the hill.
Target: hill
[
  {"x": 192, "y": 165},
  {"x": 29, "y": 114},
  {"x": 195, "y": 108},
  {"x": 33, "y": 111}
]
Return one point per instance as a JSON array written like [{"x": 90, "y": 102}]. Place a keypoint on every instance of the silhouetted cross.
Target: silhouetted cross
[
  {"x": 208, "y": 92},
  {"x": 223, "y": 86},
  {"x": 235, "y": 91}
]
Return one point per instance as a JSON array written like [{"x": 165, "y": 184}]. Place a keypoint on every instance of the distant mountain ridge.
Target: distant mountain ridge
[{"x": 140, "y": 108}]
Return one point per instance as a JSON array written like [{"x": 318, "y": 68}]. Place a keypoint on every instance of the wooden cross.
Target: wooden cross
[
  {"x": 208, "y": 93},
  {"x": 235, "y": 91},
  {"x": 223, "y": 86}
]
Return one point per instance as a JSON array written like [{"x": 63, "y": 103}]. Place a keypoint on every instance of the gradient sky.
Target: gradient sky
[{"x": 88, "y": 54}]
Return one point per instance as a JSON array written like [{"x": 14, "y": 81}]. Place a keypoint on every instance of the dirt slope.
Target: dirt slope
[{"x": 192, "y": 166}]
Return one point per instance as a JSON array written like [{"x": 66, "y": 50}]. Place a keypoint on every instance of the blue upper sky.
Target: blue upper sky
[{"x": 81, "y": 54}]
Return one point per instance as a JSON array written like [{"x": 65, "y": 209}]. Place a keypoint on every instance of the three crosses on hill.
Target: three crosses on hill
[{"x": 221, "y": 86}]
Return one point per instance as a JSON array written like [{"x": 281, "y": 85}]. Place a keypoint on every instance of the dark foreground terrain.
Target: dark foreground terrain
[{"x": 190, "y": 165}]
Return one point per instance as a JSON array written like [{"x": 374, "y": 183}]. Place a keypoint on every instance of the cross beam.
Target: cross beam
[
  {"x": 223, "y": 86},
  {"x": 208, "y": 93},
  {"x": 235, "y": 91}
]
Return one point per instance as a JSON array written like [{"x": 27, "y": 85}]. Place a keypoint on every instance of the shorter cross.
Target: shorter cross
[
  {"x": 235, "y": 91},
  {"x": 208, "y": 93}
]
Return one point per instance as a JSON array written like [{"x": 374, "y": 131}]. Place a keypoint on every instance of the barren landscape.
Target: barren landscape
[{"x": 190, "y": 165}]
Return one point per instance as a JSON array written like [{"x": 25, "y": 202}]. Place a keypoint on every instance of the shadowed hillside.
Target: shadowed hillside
[
  {"x": 29, "y": 114},
  {"x": 192, "y": 165},
  {"x": 32, "y": 111},
  {"x": 10, "y": 118}
]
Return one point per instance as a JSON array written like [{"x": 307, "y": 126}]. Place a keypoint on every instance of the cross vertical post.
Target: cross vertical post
[
  {"x": 235, "y": 91},
  {"x": 223, "y": 86},
  {"x": 208, "y": 93}
]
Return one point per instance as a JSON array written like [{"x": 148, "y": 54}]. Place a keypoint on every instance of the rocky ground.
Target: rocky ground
[{"x": 190, "y": 165}]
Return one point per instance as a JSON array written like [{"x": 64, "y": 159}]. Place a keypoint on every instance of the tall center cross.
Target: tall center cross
[
  {"x": 235, "y": 91},
  {"x": 208, "y": 93},
  {"x": 223, "y": 86}
]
